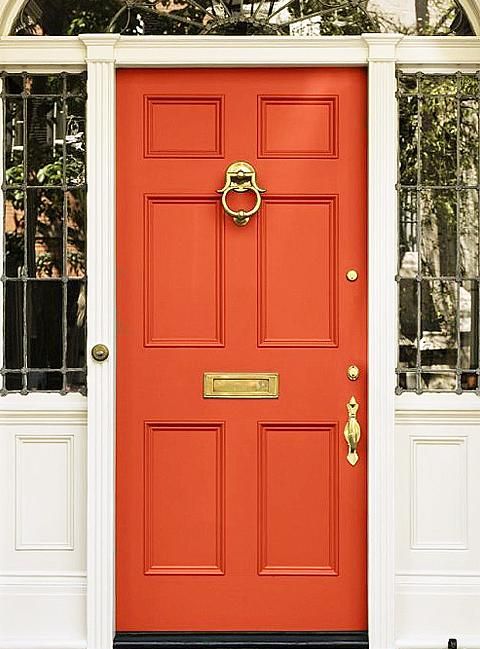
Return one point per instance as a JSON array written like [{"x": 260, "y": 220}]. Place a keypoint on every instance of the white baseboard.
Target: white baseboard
[
  {"x": 42, "y": 611},
  {"x": 432, "y": 608}
]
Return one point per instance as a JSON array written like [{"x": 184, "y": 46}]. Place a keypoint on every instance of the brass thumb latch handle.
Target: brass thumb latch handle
[
  {"x": 241, "y": 177},
  {"x": 352, "y": 431}
]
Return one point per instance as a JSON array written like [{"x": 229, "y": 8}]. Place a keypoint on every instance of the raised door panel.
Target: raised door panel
[
  {"x": 297, "y": 272},
  {"x": 302, "y": 126},
  {"x": 298, "y": 499},
  {"x": 201, "y": 133},
  {"x": 184, "y": 498},
  {"x": 184, "y": 273}
]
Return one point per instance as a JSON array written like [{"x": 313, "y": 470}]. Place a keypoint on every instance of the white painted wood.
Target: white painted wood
[
  {"x": 438, "y": 503},
  {"x": 64, "y": 52},
  {"x": 382, "y": 169},
  {"x": 43, "y": 580},
  {"x": 42, "y": 612},
  {"x": 44, "y": 490},
  {"x": 42, "y": 493},
  {"x": 438, "y": 608},
  {"x": 438, "y": 582},
  {"x": 409, "y": 402},
  {"x": 449, "y": 482},
  {"x": 101, "y": 329},
  {"x": 42, "y": 405}
]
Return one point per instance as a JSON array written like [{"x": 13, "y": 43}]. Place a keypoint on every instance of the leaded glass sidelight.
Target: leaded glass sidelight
[
  {"x": 44, "y": 242},
  {"x": 438, "y": 262}
]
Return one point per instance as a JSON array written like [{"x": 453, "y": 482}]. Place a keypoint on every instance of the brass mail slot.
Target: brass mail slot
[{"x": 240, "y": 385}]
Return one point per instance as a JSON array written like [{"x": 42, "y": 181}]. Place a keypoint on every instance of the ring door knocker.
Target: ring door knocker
[{"x": 241, "y": 177}]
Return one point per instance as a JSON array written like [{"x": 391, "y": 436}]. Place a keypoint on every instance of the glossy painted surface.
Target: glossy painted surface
[{"x": 240, "y": 514}]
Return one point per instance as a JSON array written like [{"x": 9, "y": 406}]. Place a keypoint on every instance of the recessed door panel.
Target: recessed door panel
[
  {"x": 298, "y": 498},
  {"x": 297, "y": 242}
]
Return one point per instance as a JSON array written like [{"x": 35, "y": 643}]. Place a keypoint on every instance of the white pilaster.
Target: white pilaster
[
  {"x": 382, "y": 316},
  {"x": 100, "y": 51}
]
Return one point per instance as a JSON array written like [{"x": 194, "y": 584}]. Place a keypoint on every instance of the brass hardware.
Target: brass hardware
[
  {"x": 240, "y": 385},
  {"x": 352, "y": 275},
  {"x": 100, "y": 352},
  {"x": 353, "y": 372},
  {"x": 241, "y": 177},
  {"x": 352, "y": 431}
]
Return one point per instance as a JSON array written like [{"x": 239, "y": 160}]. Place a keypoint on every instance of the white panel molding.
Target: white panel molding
[
  {"x": 101, "y": 306},
  {"x": 437, "y": 578},
  {"x": 33, "y": 583},
  {"x": 66, "y": 540},
  {"x": 66, "y": 518},
  {"x": 413, "y": 52},
  {"x": 420, "y": 484},
  {"x": 41, "y": 418}
]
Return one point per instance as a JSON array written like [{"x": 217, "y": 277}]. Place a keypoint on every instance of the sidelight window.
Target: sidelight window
[
  {"x": 44, "y": 233},
  {"x": 438, "y": 232}
]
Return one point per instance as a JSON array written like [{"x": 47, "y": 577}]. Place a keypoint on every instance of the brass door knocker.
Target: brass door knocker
[{"x": 241, "y": 177}]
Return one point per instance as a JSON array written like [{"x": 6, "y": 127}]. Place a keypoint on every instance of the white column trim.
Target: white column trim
[
  {"x": 382, "y": 318},
  {"x": 101, "y": 309}
]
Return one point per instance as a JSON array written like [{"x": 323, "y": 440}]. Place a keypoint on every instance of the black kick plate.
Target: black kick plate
[{"x": 247, "y": 640}]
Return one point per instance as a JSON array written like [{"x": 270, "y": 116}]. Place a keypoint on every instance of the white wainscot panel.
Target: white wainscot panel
[
  {"x": 438, "y": 503},
  {"x": 438, "y": 524},
  {"x": 42, "y": 508},
  {"x": 44, "y": 513}
]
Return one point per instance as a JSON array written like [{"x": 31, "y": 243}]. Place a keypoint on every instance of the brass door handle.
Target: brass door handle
[
  {"x": 241, "y": 177},
  {"x": 352, "y": 431}
]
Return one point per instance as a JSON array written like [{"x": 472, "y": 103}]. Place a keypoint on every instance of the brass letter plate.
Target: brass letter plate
[{"x": 240, "y": 385}]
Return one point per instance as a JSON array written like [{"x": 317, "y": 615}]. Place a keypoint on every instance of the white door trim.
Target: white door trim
[{"x": 102, "y": 54}]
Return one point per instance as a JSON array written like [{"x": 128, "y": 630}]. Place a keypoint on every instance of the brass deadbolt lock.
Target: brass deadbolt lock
[
  {"x": 100, "y": 352},
  {"x": 352, "y": 275},
  {"x": 353, "y": 372}
]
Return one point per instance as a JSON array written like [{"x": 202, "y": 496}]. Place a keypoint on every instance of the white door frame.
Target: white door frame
[{"x": 102, "y": 54}]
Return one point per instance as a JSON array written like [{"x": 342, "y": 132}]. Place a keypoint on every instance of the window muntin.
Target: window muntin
[
  {"x": 235, "y": 17},
  {"x": 438, "y": 262},
  {"x": 44, "y": 242}
]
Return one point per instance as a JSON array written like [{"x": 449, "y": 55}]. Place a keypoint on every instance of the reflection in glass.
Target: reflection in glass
[
  {"x": 297, "y": 17},
  {"x": 44, "y": 233},
  {"x": 438, "y": 232},
  {"x": 439, "y": 343},
  {"x": 408, "y": 332},
  {"x": 439, "y": 238}
]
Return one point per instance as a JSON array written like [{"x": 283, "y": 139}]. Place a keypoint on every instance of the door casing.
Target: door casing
[{"x": 379, "y": 52}]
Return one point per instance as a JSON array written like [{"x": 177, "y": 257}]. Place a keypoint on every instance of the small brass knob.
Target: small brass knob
[
  {"x": 100, "y": 352},
  {"x": 353, "y": 372},
  {"x": 352, "y": 275}
]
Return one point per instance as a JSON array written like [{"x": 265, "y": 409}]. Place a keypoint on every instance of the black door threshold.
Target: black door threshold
[{"x": 243, "y": 640}]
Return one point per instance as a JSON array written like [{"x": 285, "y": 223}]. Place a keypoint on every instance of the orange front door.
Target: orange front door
[{"x": 240, "y": 514}]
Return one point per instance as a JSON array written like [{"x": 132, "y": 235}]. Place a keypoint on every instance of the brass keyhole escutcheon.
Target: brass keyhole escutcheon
[
  {"x": 352, "y": 275},
  {"x": 100, "y": 352},
  {"x": 353, "y": 373}
]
